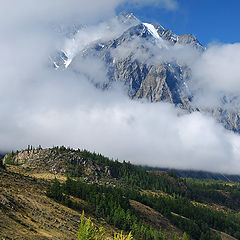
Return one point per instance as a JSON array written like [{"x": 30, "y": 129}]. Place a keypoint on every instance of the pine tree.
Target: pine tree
[
  {"x": 87, "y": 230},
  {"x": 55, "y": 191},
  {"x": 185, "y": 237}
]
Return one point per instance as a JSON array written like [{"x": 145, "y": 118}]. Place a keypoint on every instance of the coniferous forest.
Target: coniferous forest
[{"x": 187, "y": 203}]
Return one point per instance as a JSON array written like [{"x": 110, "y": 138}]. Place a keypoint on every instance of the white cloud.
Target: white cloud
[
  {"x": 153, "y": 53},
  {"x": 103, "y": 31},
  {"x": 168, "y": 4},
  {"x": 218, "y": 67},
  {"x": 16, "y": 12},
  {"x": 75, "y": 114}
]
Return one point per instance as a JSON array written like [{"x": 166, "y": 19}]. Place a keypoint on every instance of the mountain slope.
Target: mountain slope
[
  {"x": 143, "y": 57},
  {"x": 26, "y": 213},
  {"x": 122, "y": 194},
  {"x": 200, "y": 174}
]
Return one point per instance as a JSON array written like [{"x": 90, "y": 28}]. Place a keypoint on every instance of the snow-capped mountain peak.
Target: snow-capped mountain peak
[
  {"x": 152, "y": 30},
  {"x": 141, "y": 56}
]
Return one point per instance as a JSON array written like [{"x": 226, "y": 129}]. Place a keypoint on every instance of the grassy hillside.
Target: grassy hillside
[
  {"x": 119, "y": 196},
  {"x": 27, "y": 213}
]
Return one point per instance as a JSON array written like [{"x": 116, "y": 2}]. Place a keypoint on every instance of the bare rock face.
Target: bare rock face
[
  {"x": 189, "y": 39},
  {"x": 229, "y": 118},
  {"x": 162, "y": 84},
  {"x": 58, "y": 161},
  {"x": 154, "y": 87},
  {"x": 41, "y": 159},
  {"x": 131, "y": 73}
]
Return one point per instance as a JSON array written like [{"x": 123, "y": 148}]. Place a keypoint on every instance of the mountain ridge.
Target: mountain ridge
[
  {"x": 135, "y": 57},
  {"x": 51, "y": 160}
]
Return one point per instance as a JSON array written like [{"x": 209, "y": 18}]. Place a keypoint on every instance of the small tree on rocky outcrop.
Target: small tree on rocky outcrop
[{"x": 1, "y": 164}]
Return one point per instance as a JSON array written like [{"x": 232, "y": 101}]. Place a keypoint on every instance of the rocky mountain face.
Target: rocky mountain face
[
  {"x": 59, "y": 161},
  {"x": 138, "y": 57}
]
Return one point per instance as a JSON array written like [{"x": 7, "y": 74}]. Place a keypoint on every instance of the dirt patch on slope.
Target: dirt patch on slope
[{"x": 154, "y": 218}]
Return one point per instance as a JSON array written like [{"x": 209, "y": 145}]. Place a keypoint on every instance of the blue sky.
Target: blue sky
[{"x": 209, "y": 20}]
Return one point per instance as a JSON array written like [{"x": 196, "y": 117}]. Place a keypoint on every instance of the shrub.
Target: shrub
[
  {"x": 120, "y": 236},
  {"x": 9, "y": 159},
  {"x": 87, "y": 230}
]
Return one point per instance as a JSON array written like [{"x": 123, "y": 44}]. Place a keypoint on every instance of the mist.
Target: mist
[{"x": 42, "y": 106}]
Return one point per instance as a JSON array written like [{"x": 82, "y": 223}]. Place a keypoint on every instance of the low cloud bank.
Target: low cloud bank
[{"x": 69, "y": 111}]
